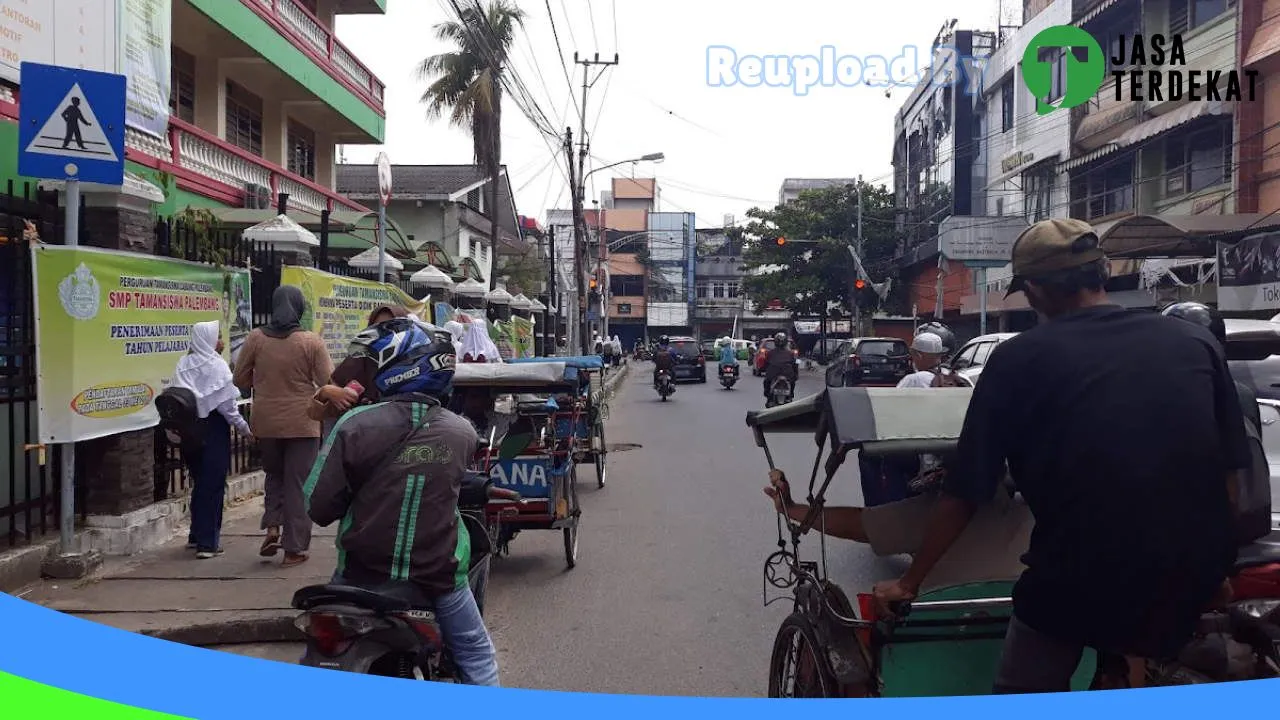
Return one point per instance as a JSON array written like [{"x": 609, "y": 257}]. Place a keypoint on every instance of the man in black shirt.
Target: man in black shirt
[{"x": 1124, "y": 461}]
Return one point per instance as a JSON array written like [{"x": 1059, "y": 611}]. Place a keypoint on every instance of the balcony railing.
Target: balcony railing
[
  {"x": 218, "y": 169},
  {"x": 306, "y": 31}
]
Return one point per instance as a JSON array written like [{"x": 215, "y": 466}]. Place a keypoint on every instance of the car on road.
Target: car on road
[
  {"x": 825, "y": 351},
  {"x": 690, "y": 363},
  {"x": 709, "y": 350},
  {"x": 869, "y": 361},
  {"x": 969, "y": 359},
  {"x": 1253, "y": 354}
]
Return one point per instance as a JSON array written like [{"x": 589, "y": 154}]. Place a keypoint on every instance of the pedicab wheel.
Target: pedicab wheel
[
  {"x": 601, "y": 467},
  {"x": 571, "y": 547},
  {"x": 798, "y": 668}
]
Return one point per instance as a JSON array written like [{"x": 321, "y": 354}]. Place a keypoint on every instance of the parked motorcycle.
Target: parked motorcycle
[
  {"x": 666, "y": 386},
  {"x": 728, "y": 376},
  {"x": 384, "y": 633},
  {"x": 781, "y": 392}
]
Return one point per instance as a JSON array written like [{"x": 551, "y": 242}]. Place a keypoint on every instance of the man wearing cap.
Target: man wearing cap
[
  {"x": 927, "y": 351},
  {"x": 1125, "y": 464}
]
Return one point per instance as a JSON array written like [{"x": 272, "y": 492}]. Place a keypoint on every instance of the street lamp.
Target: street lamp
[{"x": 651, "y": 157}]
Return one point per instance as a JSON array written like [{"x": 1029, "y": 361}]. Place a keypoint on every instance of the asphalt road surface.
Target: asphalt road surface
[{"x": 666, "y": 596}]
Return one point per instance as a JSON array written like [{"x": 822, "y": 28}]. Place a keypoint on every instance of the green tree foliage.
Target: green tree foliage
[
  {"x": 466, "y": 84},
  {"x": 815, "y": 265}
]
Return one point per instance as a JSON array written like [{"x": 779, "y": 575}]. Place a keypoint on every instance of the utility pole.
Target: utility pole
[
  {"x": 553, "y": 298},
  {"x": 579, "y": 239},
  {"x": 578, "y": 187}
]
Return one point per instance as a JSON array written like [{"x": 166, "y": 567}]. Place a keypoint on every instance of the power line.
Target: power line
[
  {"x": 564, "y": 64},
  {"x": 591, "y": 13}
]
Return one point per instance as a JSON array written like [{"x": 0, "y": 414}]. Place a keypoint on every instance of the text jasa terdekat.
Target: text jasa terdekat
[{"x": 1149, "y": 68}]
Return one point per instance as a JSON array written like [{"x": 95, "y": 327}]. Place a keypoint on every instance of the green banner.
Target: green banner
[
  {"x": 339, "y": 307},
  {"x": 111, "y": 327}
]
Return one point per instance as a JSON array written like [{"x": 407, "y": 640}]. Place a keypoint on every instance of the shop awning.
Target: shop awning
[
  {"x": 1087, "y": 158},
  {"x": 1097, "y": 10},
  {"x": 1266, "y": 42},
  {"x": 369, "y": 260},
  {"x": 1169, "y": 121},
  {"x": 1148, "y": 236}
]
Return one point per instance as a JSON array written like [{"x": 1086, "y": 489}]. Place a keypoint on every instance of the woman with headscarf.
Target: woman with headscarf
[
  {"x": 340, "y": 394},
  {"x": 477, "y": 346},
  {"x": 284, "y": 365},
  {"x": 203, "y": 371}
]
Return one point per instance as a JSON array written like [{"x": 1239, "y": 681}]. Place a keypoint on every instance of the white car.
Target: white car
[
  {"x": 969, "y": 360},
  {"x": 1253, "y": 352}
]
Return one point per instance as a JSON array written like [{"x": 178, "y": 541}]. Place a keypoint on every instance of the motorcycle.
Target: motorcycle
[
  {"x": 781, "y": 392},
  {"x": 728, "y": 376},
  {"x": 369, "y": 632},
  {"x": 666, "y": 386}
]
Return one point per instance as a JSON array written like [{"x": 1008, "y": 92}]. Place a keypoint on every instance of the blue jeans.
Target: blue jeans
[
  {"x": 208, "y": 467},
  {"x": 460, "y": 624}
]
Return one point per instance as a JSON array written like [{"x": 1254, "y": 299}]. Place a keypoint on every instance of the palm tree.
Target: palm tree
[{"x": 466, "y": 84}]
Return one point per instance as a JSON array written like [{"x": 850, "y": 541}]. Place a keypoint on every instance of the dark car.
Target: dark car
[
  {"x": 709, "y": 350},
  {"x": 690, "y": 364},
  {"x": 869, "y": 361},
  {"x": 824, "y": 352}
]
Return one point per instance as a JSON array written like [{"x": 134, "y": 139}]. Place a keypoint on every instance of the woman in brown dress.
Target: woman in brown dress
[{"x": 284, "y": 365}]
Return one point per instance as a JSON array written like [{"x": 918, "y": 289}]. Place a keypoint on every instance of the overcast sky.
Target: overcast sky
[{"x": 727, "y": 148}]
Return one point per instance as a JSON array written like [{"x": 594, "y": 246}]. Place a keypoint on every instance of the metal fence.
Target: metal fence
[
  {"x": 29, "y": 489},
  {"x": 223, "y": 247}
]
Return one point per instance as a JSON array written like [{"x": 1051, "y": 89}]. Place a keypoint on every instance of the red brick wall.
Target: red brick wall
[{"x": 922, "y": 289}]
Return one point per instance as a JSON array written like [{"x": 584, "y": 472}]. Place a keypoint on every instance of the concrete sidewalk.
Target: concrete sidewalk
[
  {"x": 238, "y": 597},
  {"x": 168, "y": 593}
]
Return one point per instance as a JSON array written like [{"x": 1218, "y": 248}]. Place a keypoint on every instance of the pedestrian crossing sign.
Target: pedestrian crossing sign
[{"x": 71, "y": 124}]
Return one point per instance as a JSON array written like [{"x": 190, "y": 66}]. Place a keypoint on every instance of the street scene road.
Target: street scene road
[{"x": 666, "y": 595}]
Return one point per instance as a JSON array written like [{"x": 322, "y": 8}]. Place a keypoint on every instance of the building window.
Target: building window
[
  {"x": 244, "y": 119},
  {"x": 718, "y": 291},
  {"x": 1057, "y": 58},
  {"x": 484, "y": 254},
  {"x": 1198, "y": 160},
  {"x": 1104, "y": 190},
  {"x": 1037, "y": 184},
  {"x": 1118, "y": 28},
  {"x": 1190, "y": 14},
  {"x": 626, "y": 285},
  {"x": 302, "y": 150},
  {"x": 1006, "y": 105},
  {"x": 703, "y": 291},
  {"x": 475, "y": 249},
  {"x": 182, "y": 86},
  {"x": 732, "y": 290},
  {"x": 624, "y": 308}
]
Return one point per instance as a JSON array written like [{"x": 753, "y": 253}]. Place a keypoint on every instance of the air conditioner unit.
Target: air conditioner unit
[{"x": 257, "y": 197}]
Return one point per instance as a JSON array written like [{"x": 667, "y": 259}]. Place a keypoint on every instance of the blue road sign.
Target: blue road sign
[{"x": 71, "y": 124}]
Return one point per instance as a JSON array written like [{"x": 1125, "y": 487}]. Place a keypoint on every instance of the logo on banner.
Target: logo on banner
[{"x": 79, "y": 294}]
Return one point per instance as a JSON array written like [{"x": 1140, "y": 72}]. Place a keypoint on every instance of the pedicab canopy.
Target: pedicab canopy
[{"x": 880, "y": 421}]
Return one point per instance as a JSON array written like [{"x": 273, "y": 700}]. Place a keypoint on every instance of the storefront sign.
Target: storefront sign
[
  {"x": 110, "y": 329},
  {"x": 980, "y": 241},
  {"x": 338, "y": 307},
  {"x": 72, "y": 33},
  {"x": 1249, "y": 274},
  {"x": 1016, "y": 160},
  {"x": 145, "y": 60}
]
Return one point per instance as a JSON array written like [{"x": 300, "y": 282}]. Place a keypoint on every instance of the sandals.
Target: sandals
[
  {"x": 270, "y": 546},
  {"x": 293, "y": 559}
]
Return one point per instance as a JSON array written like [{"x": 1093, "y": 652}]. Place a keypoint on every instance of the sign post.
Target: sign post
[
  {"x": 384, "y": 197},
  {"x": 71, "y": 127},
  {"x": 980, "y": 243}
]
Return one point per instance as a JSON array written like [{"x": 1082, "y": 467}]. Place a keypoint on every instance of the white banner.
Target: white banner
[
  {"x": 73, "y": 33},
  {"x": 146, "y": 62}
]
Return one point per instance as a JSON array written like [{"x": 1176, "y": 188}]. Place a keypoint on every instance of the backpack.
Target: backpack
[{"x": 179, "y": 418}]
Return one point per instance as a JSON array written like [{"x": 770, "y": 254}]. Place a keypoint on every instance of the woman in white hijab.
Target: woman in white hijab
[
  {"x": 203, "y": 371},
  {"x": 477, "y": 346}
]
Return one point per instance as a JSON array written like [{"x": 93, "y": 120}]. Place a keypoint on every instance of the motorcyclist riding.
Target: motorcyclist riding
[
  {"x": 780, "y": 362},
  {"x": 664, "y": 358},
  {"x": 391, "y": 472},
  {"x": 727, "y": 354},
  {"x": 949, "y": 344}
]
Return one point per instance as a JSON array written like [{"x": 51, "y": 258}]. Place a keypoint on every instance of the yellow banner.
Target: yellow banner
[{"x": 338, "y": 307}]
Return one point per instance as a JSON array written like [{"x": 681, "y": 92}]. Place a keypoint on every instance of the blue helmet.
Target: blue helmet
[{"x": 409, "y": 357}]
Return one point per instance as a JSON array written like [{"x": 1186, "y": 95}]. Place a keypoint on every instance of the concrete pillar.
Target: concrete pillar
[
  {"x": 211, "y": 96},
  {"x": 275, "y": 129},
  {"x": 326, "y": 157}
]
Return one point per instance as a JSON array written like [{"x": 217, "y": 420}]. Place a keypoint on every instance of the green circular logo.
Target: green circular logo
[{"x": 1083, "y": 77}]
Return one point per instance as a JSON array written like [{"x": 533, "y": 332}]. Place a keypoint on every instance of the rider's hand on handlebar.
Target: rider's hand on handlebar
[
  {"x": 891, "y": 593},
  {"x": 780, "y": 490}
]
